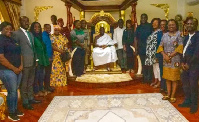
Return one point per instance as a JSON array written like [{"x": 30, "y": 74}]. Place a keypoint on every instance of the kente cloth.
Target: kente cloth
[{"x": 103, "y": 56}]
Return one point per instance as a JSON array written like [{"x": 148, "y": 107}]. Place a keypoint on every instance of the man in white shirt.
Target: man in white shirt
[
  {"x": 54, "y": 22},
  {"x": 121, "y": 54},
  {"x": 104, "y": 51}
]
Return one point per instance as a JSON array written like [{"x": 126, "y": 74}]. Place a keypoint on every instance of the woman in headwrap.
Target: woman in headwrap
[
  {"x": 59, "y": 68},
  {"x": 64, "y": 31}
]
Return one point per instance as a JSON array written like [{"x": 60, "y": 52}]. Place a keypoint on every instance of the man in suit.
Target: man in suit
[
  {"x": 26, "y": 42},
  {"x": 190, "y": 66}
]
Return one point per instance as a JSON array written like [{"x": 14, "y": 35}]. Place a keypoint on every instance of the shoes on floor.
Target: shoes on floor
[
  {"x": 172, "y": 100},
  {"x": 40, "y": 94},
  {"x": 34, "y": 101},
  {"x": 193, "y": 109},
  {"x": 19, "y": 113},
  {"x": 156, "y": 86},
  {"x": 165, "y": 98},
  {"x": 28, "y": 106},
  {"x": 13, "y": 117},
  {"x": 184, "y": 104}
]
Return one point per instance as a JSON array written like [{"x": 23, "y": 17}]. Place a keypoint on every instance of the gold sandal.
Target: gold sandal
[
  {"x": 165, "y": 98},
  {"x": 172, "y": 100}
]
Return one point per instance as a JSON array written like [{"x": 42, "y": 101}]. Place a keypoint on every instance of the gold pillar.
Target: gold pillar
[
  {"x": 82, "y": 15},
  {"x": 122, "y": 14}
]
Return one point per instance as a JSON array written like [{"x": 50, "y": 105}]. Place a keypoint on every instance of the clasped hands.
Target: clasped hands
[
  {"x": 103, "y": 46},
  {"x": 167, "y": 58},
  {"x": 17, "y": 70},
  {"x": 184, "y": 66}
]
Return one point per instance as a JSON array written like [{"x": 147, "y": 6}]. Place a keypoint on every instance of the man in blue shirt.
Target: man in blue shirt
[
  {"x": 47, "y": 42},
  {"x": 141, "y": 35}
]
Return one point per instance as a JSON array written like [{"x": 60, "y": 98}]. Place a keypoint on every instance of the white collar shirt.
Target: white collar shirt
[
  {"x": 23, "y": 30},
  {"x": 188, "y": 43},
  {"x": 118, "y": 34}
]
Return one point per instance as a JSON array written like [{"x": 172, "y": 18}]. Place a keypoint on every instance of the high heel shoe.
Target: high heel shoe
[{"x": 108, "y": 69}]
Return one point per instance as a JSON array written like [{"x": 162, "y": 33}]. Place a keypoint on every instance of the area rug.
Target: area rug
[
  {"x": 111, "y": 108},
  {"x": 104, "y": 78}
]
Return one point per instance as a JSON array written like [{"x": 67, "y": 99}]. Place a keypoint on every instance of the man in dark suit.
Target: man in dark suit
[
  {"x": 26, "y": 41},
  {"x": 190, "y": 66}
]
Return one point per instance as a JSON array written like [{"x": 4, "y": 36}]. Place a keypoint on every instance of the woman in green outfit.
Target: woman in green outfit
[{"x": 42, "y": 59}]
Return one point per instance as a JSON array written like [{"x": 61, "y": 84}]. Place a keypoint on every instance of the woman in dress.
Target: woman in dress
[
  {"x": 171, "y": 47},
  {"x": 127, "y": 41},
  {"x": 59, "y": 68},
  {"x": 42, "y": 59},
  {"x": 151, "y": 61}
]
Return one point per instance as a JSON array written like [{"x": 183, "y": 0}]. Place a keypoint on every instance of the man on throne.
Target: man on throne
[{"x": 104, "y": 51}]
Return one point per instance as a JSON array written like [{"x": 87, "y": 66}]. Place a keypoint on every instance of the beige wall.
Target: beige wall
[
  {"x": 175, "y": 7},
  {"x": 143, "y": 6},
  {"x": 58, "y": 9},
  {"x": 194, "y": 9}
]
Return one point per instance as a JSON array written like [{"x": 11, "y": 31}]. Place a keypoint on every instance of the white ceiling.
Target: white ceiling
[{"x": 101, "y": 2}]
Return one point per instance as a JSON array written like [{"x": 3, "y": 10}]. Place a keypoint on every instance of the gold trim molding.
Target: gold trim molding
[
  {"x": 165, "y": 7},
  {"x": 39, "y": 9},
  {"x": 102, "y": 13}
]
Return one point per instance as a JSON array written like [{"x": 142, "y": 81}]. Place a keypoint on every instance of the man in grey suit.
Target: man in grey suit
[{"x": 26, "y": 41}]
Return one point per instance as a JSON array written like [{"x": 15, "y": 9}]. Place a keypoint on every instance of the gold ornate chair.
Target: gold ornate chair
[{"x": 2, "y": 104}]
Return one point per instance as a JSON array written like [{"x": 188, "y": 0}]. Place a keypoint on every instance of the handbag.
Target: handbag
[{"x": 65, "y": 56}]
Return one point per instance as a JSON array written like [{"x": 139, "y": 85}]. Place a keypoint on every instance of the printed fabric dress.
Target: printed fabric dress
[
  {"x": 59, "y": 69},
  {"x": 169, "y": 44},
  {"x": 151, "y": 49}
]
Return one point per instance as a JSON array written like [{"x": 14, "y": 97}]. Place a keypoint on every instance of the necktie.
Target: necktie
[{"x": 29, "y": 36}]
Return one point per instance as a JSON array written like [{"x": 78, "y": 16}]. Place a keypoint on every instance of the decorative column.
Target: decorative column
[
  {"x": 133, "y": 15},
  {"x": 122, "y": 15},
  {"x": 82, "y": 15},
  {"x": 69, "y": 15},
  {"x": 138, "y": 63}
]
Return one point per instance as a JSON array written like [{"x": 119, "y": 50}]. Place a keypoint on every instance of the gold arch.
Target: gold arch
[
  {"x": 101, "y": 15},
  {"x": 102, "y": 24}
]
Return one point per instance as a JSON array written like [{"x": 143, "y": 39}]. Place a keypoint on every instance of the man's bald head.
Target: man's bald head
[
  {"x": 102, "y": 31},
  {"x": 24, "y": 22}
]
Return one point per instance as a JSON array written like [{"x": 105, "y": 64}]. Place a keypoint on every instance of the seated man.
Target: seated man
[{"x": 104, "y": 51}]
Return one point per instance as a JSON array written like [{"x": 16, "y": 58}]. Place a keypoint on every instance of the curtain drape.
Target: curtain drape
[
  {"x": 14, "y": 13},
  {"x": 4, "y": 12}
]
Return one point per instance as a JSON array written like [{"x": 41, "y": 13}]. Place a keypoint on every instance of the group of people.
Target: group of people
[
  {"x": 170, "y": 56},
  {"x": 31, "y": 59},
  {"x": 165, "y": 54}
]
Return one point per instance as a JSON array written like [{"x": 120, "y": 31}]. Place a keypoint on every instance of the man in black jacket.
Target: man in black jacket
[{"x": 190, "y": 66}]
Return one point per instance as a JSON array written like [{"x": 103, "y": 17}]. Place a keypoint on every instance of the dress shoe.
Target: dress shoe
[
  {"x": 50, "y": 89},
  {"x": 27, "y": 106},
  {"x": 34, "y": 101},
  {"x": 184, "y": 104},
  {"x": 19, "y": 113},
  {"x": 193, "y": 109},
  {"x": 13, "y": 117}
]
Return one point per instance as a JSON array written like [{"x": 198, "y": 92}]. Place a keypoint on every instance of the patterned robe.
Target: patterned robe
[{"x": 59, "y": 69}]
